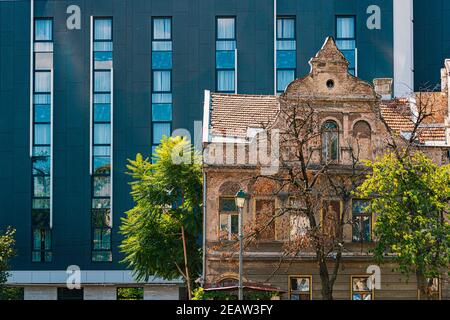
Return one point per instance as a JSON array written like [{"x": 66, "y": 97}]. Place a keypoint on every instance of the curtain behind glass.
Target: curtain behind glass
[
  {"x": 161, "y": 29},
  {"x": 225, "y": 80},
  {"x": 103, "y": 29},
  {"x": 284, "y": 77},
  {"x": 42, "y": 82},
  {"x": 102, "y": 82},
  {"x": 285, "y": 28},
  {"x": 225, "y": 28},
  {"x": 43, "y": 30},
  {"x": 346, "y": 27},
  {"x": 161, "y": 81}
]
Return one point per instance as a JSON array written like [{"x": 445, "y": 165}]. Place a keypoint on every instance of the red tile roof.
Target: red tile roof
[{"x": 233, "y": 114}]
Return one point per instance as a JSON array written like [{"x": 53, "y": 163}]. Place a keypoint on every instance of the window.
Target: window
[
  {"x": 346, "y": 40},
  {"x": 286, "y": 52},
  {"x": 42, "y": 140},
  {"x": 300, "y": 287},
  {"x": 265, "y": 212},
  {"x": 41, "y": 245},
  {"x": 130, "y": 293},
  {"x": 434, "y": 287},
  {"x": 161, "y": 79},
  {"x": 362, "y": 288},
  {"x": 43, "y": 29},
  {"x": 102, "y": 139},
  {"x": 226, "y": 54},
  {"x": 229, "y": 218},
  {"x": 330, "y": 141},
  {"x": 362, "y": 221}
]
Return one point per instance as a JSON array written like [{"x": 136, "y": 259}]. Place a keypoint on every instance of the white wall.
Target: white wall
[
  {"x": 100, "y": 293},
  {"x": 40, "y": 293},
  {"x": 161, "y": 293},
  {"x": 403, "y": 48}
]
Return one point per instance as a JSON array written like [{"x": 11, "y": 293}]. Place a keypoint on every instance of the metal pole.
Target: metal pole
[{"x": 241, "y": 262}]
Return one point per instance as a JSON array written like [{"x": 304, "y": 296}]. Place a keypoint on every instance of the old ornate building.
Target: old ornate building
[{"x": 347, "y": 120}]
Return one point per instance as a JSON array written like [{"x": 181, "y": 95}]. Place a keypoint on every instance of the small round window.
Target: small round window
[{"x": 330, "y": 84}]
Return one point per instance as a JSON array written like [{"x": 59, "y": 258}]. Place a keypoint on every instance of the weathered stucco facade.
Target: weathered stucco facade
[{"x": 359, "y": 122}]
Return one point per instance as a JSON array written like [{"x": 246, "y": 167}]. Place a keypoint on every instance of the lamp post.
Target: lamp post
[{"x": 240, "y": 198}]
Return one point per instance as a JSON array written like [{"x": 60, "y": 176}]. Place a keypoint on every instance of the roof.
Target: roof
[
  {"x": 234, "y": 114},
  {"x": 399, "y": 117}
]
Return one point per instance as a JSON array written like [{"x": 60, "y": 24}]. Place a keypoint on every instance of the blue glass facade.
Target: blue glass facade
[{"x": 165, "y": 54}]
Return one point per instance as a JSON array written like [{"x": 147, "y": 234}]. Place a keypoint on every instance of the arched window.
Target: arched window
[
  {"x": 228, "y": 213},
  {"x": 361, "y": 130},
  {"x": 330, "y": 141}
]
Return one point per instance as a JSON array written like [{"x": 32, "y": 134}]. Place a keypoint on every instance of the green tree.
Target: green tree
[
  {"x": 161, "y": 233},
  {"x": 6, "y": 253},
  {"x": 411, "y": 197}
]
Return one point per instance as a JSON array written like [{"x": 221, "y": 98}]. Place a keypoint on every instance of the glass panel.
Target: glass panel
[
  {"x": 101, "y": 218},
  {"x": 234, "y": 224},
  {"x": 300, "y": 284},
  {"x": 41, "y": 134},
  {"x": 102, "y": 186},
  {"x": 102, "y": 98},
  {"x": 102, "y": 151},
  {"x": 41, "y": 113},
  {"x": 360, "y": 284},
  {"x": 222, "y": 45},
  {"x": 225, "y": 28},
  {"x": 41, "y": 151},
  {"x": 225, "y": 80},
  {"x": 103, "y": 56},
  {"x": 162, "y": 60},
  {"x": 345, "y": 27},
  {"x": 102, "y": 29},
  {"x": 42, "y": 81},
  {"x": 162, "y": 45},
  {"x": 103, "y": 46},
  {"x": 41, "y": 165},
  {"x": 162, "y": 98},
  {"x": 41, "y": 203},
  {"x": 162, "y": 28},
  {"x": 42, "y": 99},
  {"x": 43, "y": 29},
  {"x": 102, "y": 165},
  {"x": 43, "y": 61},
  {"x": 102, "y": 82},
  {"x": 101, "y": 256},
  {"x": 350, "y": 56},
  {"x": 286, "y": 45},
  {"x": 285, "y": 28},
  {"x": 224, "y": 224},
  {"x": 102, "y": 112},
  {"x": 161, "y": 112},
  {"x": 284, "y": 78},
  {"x": 227, "y": 205},
  {"x": 102, "y": 133},
  {"x": 161, "y": 81},
  {"x": 41, "y": 186},
  {"x": 43, "y": 47},
  {"x": 37, "y": 239},
  {"x": 225, "y": 59},
  {"x": 346, "y": 44},
  {"x": 286, "y": 59},
  {"x": 101, "y": 203},
  {"x": 160, "y": 130}
]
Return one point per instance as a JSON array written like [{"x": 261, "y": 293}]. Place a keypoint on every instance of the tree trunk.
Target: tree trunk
[
  {"x": 422, "y": 287},
  {"x": 327, "y": 290},
  {"x": 188, "y": 278}
]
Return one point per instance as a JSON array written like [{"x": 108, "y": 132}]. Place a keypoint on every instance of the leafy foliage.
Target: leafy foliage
[
  {"x": 411, "y": 197},
  {"x": 200, "y": 294},
  {"x": 6, "y": 253},
  {"x": 168, "y": 196}
]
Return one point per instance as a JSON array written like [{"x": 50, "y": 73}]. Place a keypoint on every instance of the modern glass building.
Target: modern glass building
[{"x": 87, "y": 84}]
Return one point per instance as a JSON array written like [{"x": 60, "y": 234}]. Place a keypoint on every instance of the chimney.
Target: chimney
[{"x": 383, "y": 86}]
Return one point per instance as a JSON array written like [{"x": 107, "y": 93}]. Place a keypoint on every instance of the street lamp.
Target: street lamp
[{"x": 240, "y": 198}]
